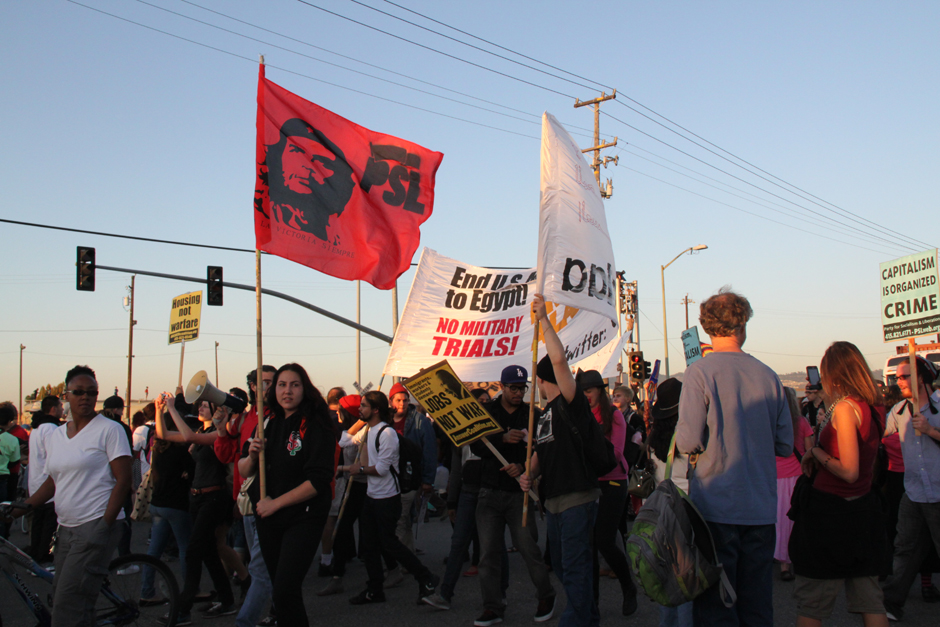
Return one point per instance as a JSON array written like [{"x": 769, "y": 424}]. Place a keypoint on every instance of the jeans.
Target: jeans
[
  {"x": 918, "y": 526},
  {"x": 403, "y": 529},
  {"x": 747, "y": 554},
  {"x": 207, "y": 511},
  {"x": 497, "y": 509},
  {"x": 288, "y": 542},
  {"x": 41, "y": 531},
  {"x": 609, "y": 512},
  {"x": 4, "y": 527},
  {"x": 465, "y": 528},
  {"x": 377, "y": 535},
  {"x": 166, "y": 520},
  {"x": 676, "y": 616},
  {"x": 260, "y": 590},
  {"x": 569, "y": 535}
]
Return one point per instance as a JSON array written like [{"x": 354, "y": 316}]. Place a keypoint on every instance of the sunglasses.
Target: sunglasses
[
  {"x": 83, "y": 392},
  {"x": 518, "y": 388}
]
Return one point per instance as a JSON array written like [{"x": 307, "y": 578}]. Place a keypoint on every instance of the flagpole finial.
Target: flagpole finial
[{"x": 261, "y": 57}]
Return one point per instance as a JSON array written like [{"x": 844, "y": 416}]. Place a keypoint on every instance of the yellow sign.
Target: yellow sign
[
  {"x": 184, "y": 317},
  {"x": 452, "y": 407}
]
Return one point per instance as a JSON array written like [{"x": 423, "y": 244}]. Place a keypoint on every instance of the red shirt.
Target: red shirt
[
  {"x": 868, "y": 438},
  {"x": 22, "y": 435},
  {"x": 229, "y": 449}
]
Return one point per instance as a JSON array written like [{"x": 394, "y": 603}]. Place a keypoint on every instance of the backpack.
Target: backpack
[
  {"x": 599, "y": 455},
  {"x": 408, "y": 474},
  {"x": 671, "y": 550}
]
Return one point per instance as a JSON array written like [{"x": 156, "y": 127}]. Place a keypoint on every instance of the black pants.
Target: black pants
[
  {"x": 289, "y": 540},
  {"x": 609, "y": 512},
  {"x": 40, "y": 533},
  {"x": 208, "y": 511},
  {"x": 377, "y": 535},
  {"x": 344, "y": 546}
]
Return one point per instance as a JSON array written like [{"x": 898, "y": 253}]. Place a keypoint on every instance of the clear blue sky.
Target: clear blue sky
[{"x": 112, "y": 127}]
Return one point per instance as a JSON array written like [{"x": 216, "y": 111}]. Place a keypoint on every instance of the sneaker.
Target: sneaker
[
  {"x": 436, "y": 600},
  {"x": 181, "y": 620},
  {"x": 473, "y": 571},
  {"x": 325, "y": 570},
  {"x": 546, "y": 609},
  {"x": 133, "y": 569},
  {"x": 218, "y": 610},
  {"x": 393, "y": 578},
  {"x": 930, "y": 594},
  {"x": 427, "y": 588},
  {"x": 489, "y": 617},
  {"x": 335, "y": 586},
  {"x": 155, "y": 601},
  {"x": 895, "y": 613},
  {"x": 269, "y": 621},
  {"x": 366, "y": 596},
  {"x": 629, "y": 604}
]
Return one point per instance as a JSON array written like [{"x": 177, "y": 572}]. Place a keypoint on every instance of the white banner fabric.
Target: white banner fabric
[
  {"x": 479, "y": 320},
  {"x": 575, "y": 259}
]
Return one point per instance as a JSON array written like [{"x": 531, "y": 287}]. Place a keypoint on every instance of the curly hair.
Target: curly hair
[{"x": 725, "y": 313}]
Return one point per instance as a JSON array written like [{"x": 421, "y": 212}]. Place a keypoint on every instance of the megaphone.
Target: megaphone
[{"x": 201, "y": 389}]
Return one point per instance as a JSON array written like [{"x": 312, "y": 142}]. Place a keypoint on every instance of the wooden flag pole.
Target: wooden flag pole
[
  {"x": 531, "y": 434},
  {"x": 259, "y": 383},
  {"x": 182, "y": 352},
  {"x": 914, "y": 381}
]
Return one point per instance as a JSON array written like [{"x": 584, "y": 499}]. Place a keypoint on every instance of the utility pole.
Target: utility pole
[
  {"x": 358, "y": 334},
  {"x": 22, "y": 409},
  {"x": 598, "y": 146},
  {"x": 216, "y": 364},
  {"x": 130, "y": 350},
  {"x": 687, "y": 302}
]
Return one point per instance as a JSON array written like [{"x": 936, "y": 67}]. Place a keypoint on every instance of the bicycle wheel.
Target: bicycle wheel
[{"x": 120, "y": 600}]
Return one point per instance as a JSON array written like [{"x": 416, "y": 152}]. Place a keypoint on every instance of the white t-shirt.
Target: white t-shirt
[
  {"x": 141, "y": 434},
  {"x": 383, "y": 486},
  {"x": 37, "y": 456},
  {"x": 80, "y": 468}
]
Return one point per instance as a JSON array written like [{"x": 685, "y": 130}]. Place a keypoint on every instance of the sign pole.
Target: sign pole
[
  {"x": 182, "y": 353},
  {"x": 528, "y": 446},
  {"x": 915, "y": 382}
]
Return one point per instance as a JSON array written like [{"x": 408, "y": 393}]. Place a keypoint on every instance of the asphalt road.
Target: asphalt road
[{"x": 401, "y": 609}]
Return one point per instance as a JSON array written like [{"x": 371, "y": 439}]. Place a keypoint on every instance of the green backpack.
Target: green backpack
[{"x": 671, "y": 550}]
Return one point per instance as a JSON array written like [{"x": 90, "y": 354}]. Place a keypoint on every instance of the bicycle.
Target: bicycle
[{"x": 119, "y": 602}]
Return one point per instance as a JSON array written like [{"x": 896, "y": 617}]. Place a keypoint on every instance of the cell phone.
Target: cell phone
[{"x": 812, "y": 373}]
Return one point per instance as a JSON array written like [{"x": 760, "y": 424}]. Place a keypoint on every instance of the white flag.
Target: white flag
[{"x": 576, "y": 258}]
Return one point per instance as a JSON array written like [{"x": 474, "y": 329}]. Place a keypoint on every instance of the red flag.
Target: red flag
[{"x": 335, "y": 196}]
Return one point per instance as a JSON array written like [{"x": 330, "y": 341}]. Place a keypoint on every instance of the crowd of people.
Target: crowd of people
[{"x": 841, "y": 490}]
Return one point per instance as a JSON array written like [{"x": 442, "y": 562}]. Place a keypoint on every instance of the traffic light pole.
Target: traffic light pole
[{"x": 251, "y": 288}]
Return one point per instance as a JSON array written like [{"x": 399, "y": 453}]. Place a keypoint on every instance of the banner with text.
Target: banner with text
[
  {"x": 691, "y": 345},
  {"x": 909, "y": 295},
  {"x": 184, "y": 317},
  {"x": 479, "y": 319},
  {"x": 450, "y": 405},
  {"x": 576, "y": 257}
]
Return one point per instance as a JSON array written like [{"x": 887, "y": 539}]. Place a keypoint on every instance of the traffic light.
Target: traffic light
[
  {"x": 646, "y": 370},
  {"x": 85, "y": 269},
  {"x": 636, "y": 365},
  {"x": 214, "y": 285}
]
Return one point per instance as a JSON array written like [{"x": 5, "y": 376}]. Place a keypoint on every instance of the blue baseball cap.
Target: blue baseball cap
[{"x": 513, "y": 374}]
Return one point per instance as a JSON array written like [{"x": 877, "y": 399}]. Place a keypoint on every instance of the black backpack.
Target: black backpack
[{"x": 408, "y": 474}]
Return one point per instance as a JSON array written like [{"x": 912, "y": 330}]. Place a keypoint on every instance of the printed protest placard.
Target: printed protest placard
[
  {"x": 692, "y": 346},
  {"x": 910, "y": 291},
  {"x": 184, "y": 317},
  {"x": 450, "y": 405}
]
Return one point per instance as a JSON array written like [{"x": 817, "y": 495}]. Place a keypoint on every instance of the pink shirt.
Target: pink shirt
[
  {"x": 617, "y": 437},
  {"x": 790, "y": 466},
  {"x": 893, "y": 449}
]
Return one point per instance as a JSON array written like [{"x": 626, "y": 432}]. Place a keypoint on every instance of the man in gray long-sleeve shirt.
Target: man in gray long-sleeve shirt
[{"x": 733, "y": 412}]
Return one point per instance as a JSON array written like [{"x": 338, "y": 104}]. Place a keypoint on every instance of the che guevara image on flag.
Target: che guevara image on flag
[{"x": 335, "y": 196}]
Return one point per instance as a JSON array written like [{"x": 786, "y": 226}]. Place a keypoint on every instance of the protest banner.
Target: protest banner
[
  {"x": 184, "y": 317},
  {"x": 692, "y": 346},
  {"x": 575, "y": 258},
  {"x": 909, "y": 293},
  {"x": 451, "y": 406},
  {"x": 479, "y": 319}
]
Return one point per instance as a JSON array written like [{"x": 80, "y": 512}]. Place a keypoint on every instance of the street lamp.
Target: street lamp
[
  {"x": 22, "y": 412},
  {"x": 662, "y": 275}
]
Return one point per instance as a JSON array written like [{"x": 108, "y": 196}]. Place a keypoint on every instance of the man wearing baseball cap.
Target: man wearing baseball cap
[{"x": 500, "y": 501}]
